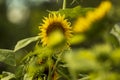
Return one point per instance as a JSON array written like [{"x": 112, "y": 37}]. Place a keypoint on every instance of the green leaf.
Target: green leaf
[
  {"x": 116, "y": 32},
  {"x": 8, "y": 57},
  {"x": 27, "y": 77},
  {"x": 23, "y": 43},
  {"x": 73, "y": 1},
  {"x": 73, "y": 13},
  {"x": 112, "y": 39},
  {"x": 19, "y": 71},
  {"x": 8, "y": 77}
]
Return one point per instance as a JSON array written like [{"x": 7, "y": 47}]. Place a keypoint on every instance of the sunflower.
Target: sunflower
[
  {"x": 52, "y": 23},
  {"x": 84, "y": 23}
]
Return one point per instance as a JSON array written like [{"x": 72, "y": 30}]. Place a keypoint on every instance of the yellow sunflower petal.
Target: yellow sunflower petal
[{"x": 51, "y": 23}]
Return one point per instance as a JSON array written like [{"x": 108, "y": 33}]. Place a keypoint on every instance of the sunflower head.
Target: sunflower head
[{"x": 54, "y": 22}]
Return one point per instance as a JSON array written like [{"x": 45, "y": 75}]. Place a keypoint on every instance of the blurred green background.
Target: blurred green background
[{"x": 20, "y": 19}]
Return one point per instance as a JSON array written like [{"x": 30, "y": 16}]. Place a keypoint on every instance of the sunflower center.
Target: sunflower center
[{"x": 55, "y": 26}]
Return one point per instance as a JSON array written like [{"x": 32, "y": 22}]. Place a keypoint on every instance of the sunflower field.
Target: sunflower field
[{"x": 59, "y": 40}]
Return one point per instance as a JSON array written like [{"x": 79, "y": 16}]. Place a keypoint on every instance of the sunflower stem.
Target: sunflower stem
[
  {"x": 64, "y": 4},
  {"x": 49, "y": 74},
  {"x": 56, "y": 63}
]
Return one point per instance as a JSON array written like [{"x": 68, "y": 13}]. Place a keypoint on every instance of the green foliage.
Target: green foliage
[
  {"x": 8, "y": 57},
  {"x": 116, "y": 32},
  {"x": 25, "y": 42},
  {"x": 98, "y": 63},
  {"x": 73, "y": 13},
  {"x": 7, "y": 76},
  {"x": 35, "y": 64}
]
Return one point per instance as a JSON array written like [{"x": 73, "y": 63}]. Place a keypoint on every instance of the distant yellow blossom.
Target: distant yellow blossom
[
  {"x": 101, "y": 11},
  {"x": 84, "y": 23},
  {"x": 52, "y": 23}
]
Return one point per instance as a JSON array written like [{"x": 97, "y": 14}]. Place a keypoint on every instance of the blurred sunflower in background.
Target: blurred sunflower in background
[
  {"x": 84, "y": 23},
  {"x": 54, "y": 25}
]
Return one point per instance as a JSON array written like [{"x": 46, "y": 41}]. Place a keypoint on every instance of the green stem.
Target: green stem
[
  {"x": 56, "y": 63},
  {"x": 49, "y": 74},
  {"x": 64, "y": 4},
  {"x": 63, "y": 74}
]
